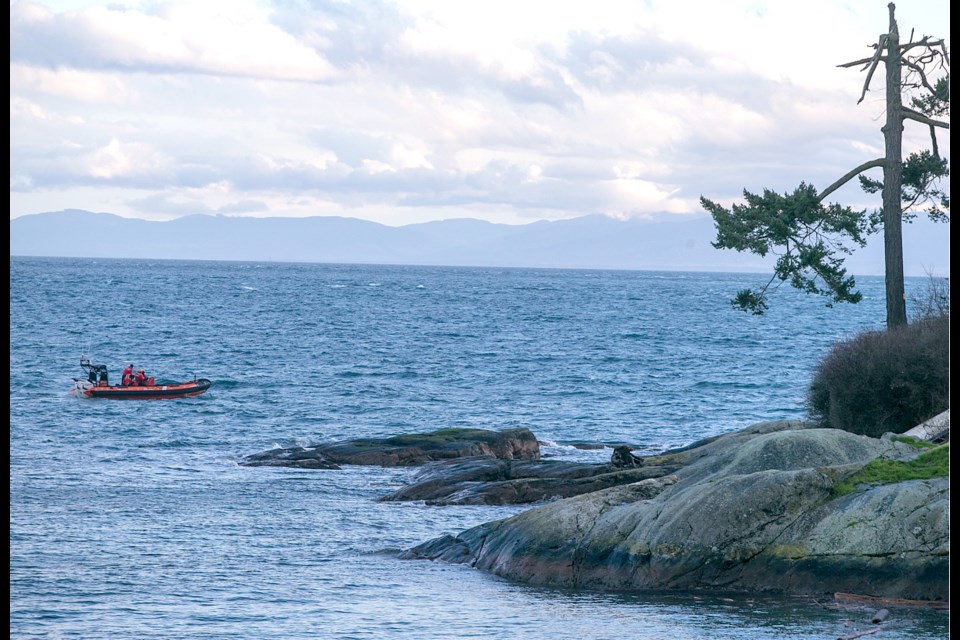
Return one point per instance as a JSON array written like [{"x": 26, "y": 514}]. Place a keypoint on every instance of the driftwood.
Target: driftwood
[
  {"x": 933, "y": 430},
  {"x": 880, "y": 616},
  {"x": 893, "y": 602},
  {"x": 859, "y": 634}
]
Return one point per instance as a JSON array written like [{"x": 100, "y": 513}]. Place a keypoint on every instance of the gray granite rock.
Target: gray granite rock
[
  {"x": 750, "y": 510},
  {"x": 405, "y": 450},
  {"x": 485, "y": 480}
]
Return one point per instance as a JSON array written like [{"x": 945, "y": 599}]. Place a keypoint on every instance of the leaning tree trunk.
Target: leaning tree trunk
[{"x": 892, "y": 178}]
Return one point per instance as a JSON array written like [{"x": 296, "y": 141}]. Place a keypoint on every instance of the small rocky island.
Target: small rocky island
[
  {"x": 404, "y": 450},
  {"x": 781, "y": 507}
]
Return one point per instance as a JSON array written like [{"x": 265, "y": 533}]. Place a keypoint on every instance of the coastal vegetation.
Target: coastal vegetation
[
  {"x": 934, "y": 463},
  {"x": 811, "y": 238},
  {"x": 888, "y": 381},
  {"x": 440, "y": 436},
  {"x": 914, "y": 442},
  {"x": 884, "y": 381}
]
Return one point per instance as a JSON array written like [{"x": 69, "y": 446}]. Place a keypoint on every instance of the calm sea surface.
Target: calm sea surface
[{"x": 134, "y": 520}]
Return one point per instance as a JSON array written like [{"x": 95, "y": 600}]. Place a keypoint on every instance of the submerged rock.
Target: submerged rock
[
  {"x": 749, "y": 510},
  {"x": 405, "y": 450},
  {"x": 298, "y": 457}
]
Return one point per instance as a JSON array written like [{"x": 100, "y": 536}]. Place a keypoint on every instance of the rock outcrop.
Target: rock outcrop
[
  {"x": 749, "y": 510},
  {"x": 404, "y": 450},
  {"x": 485, "y": 480}
]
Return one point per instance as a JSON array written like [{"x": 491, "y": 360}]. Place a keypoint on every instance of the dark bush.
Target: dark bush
[{"x": 884, "y": 381}]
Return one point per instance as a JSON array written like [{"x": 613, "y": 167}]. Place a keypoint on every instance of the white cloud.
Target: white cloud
[
  {"x": 207, "y": 38},
  {"x": 405, "y": 110},
  {"x": 123, "y": 160},
  {"x": 67, "y": 83}
]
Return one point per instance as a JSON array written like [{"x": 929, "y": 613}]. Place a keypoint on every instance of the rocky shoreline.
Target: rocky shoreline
[{"x": 752, "y": 510}]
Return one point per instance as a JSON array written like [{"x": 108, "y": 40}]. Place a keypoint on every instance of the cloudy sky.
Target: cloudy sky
[{"x": 400, "y": 112}]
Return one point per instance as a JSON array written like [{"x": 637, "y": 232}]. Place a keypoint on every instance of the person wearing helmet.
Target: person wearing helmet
[{"x": 140, "y": 379}]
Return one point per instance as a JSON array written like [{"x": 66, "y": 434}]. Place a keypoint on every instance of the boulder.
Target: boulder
[{"x": 622, "y": 457}]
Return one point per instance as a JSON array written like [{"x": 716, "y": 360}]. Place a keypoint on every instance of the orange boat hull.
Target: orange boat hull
[{"x": 152, "y": 392}]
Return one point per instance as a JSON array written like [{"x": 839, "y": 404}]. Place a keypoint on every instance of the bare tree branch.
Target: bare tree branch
[
  {"x": 873, "y": 67},
  {"x": 863, "y": 61},
  {"x": 849, "y": 175},
  {"x": 923, "y": 42},
  {"x": 762, "y": 291},
  {"x": 919, "y": 117},
  {"x": 919, "y": 70},
  {"x": 907, "y": 206},
  {"x": 933, "y": 142}
]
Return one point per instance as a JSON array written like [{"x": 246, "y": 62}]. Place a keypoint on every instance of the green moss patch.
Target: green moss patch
[
  {"x": 442, "y": 436},
  {"x": 914, "y": 442},
  {"x": 934, "y": 463}
]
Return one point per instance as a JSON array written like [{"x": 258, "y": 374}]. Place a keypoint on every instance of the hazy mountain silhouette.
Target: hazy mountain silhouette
[{"x": 594, "y": 241}]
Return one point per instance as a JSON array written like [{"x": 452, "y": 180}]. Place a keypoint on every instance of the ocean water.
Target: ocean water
[{"x": 134, "y": 520}]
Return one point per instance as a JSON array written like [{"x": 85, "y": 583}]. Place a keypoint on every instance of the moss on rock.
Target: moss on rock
[{"x": 934, "y": 463}]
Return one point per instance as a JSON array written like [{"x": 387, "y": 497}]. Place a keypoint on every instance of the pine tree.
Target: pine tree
[{"x": 811, "y": 238}]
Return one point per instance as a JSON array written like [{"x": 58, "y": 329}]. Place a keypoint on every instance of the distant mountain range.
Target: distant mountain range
[{"x": 595, "y": 241}]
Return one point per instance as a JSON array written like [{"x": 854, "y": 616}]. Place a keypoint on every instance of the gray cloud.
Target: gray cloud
[
  {"x": 244, "y": 206},
  {"x": 160, "y": 203},
  {"x": 620, "y": 63},
  {"x": 349, "y": 34},
  {"x": 366, "y": 37},
  {"x": 351, "y": 147}
]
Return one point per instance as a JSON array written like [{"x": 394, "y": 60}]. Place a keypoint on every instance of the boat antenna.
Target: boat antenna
[{"x": 84, "y": 355}]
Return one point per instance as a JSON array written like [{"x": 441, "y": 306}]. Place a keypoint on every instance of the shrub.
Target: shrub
[
  {"x": 932, "y": 300},
  {"x": 884, "y": 381}
]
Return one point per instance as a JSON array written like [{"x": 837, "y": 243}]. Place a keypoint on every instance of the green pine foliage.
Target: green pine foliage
[{"x": 809, "y": 237}]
